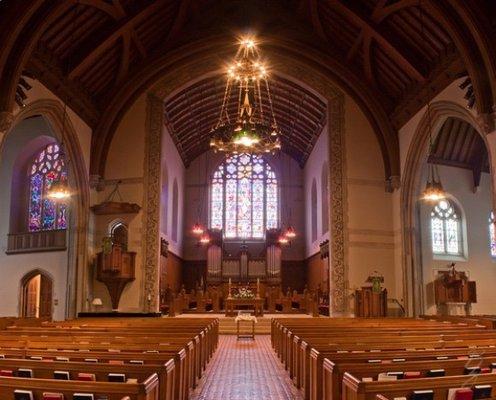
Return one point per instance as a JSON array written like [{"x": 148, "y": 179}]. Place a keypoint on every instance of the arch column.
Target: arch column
[
  {"x": 410, "y": 191},
  {"x": 6, "y": 121},
  {"x": 488, "y": 126},
  {"x": 77, "y": 249},
  {"x": 151, "y": 201}
]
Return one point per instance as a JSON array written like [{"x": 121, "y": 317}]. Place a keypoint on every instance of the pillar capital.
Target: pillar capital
[
  {"x": 97, "y": 182},
  {"x": 392, "y": 183}
]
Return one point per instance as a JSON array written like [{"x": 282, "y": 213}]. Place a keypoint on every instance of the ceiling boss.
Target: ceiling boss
[{"x": 249, "y": 126}]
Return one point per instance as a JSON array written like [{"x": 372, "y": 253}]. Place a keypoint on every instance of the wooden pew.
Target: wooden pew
[
  {"x": 355, "y": 389},
  {"x": 303, "y": 345},
  {"x": 146, "y": 390},
  {"x": 44, "y": 370},
  {"x": 176, "y": 350},
  {"x": 333, "y": 372}
]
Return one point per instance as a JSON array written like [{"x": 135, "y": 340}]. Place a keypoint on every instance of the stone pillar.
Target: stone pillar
[{"x": 6, "y": 120}]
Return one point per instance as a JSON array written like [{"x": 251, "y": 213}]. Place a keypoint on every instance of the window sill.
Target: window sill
[
  {"x": 448, "y": 257},
  {"x": 36, "y": 242}
]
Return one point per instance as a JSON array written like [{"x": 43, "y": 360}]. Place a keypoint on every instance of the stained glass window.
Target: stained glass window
[
  {"x": 445, "y": 229},
  {"x": 45, "y": 214},
  {"x": 492, "y": 234},
  {"x": 244, "y": 197}
]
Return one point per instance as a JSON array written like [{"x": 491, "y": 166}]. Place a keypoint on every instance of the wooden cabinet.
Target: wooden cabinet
[{"x": 369, "y": 303}]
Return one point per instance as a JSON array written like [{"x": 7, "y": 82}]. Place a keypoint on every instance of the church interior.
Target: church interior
[{"x": 238, "y": 199}]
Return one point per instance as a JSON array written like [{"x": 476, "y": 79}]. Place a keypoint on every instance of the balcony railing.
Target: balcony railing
[{"x": 31, "y": 242}]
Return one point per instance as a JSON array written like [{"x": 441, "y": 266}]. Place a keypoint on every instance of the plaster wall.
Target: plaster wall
[
  {"x": 125, "y": 163},
  {"x": 370, "y": 240},
  {"x": 313, "y": 171}
]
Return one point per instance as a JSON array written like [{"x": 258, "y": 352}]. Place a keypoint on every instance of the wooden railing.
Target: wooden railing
[{"x": 29, "y": 242}]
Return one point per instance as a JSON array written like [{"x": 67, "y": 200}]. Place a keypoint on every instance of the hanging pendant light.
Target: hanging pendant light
[
  {"x": 290, "y": 232},
  {"x": 59, "y": 190},
  {"x": 434, "y": 190},
  {"x": 198, "y": 229},
  {"x": 205, "y": 239},
  {"x": 252, "y": 126}
]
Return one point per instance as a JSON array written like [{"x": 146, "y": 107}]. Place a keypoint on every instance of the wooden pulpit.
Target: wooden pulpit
[
  {"x": 370, "y": 303},
  {"x": 115, "y": 268},
  {"x": 454, "y": 287}
]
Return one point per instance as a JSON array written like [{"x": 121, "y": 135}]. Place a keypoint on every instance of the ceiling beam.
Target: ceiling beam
[
  {"x": 95, "y": 49},
  {"x": 180, "y": 20},
  {"x": 42, "y": 66},
  {"x": 369, "y": 27},
  {"x": 114, "y": 10},
  {"x": 367, "y": 58},
  {"x": 315, "y": 19},
  {"x": 382, "y": 11},
  {"x": 126, "y": 55}
]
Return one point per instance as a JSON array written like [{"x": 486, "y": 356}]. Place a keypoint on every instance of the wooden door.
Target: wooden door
[
  {"x": 31, "y": 292},
  {"x": 45, "y": 297}
]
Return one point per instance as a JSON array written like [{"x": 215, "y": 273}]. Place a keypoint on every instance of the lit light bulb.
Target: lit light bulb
[
  {"x": 283, "y": 240},
  {"x": 197, "y": 229},
  {"x": 205, "y": 239},
  {"x": 59, "y": 191},
  {"x": 290, "y": 232}
]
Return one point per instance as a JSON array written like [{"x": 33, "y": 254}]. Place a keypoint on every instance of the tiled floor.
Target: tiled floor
[{"x": 245, "y": 370}]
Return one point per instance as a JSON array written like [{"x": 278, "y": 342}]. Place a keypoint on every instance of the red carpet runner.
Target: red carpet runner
[{"x": 245, "y": 370}]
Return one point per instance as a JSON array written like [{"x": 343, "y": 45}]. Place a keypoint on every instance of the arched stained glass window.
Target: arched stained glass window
[
  {"x": 45, "y": 214},
  {"x": 446, "y": 229},
  {"x": 244, "y": 197},
  {"x": 492, "y": 234}
]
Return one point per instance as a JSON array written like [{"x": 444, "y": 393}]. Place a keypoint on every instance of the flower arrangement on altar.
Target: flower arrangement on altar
[
  {"x": 376, "y": 279},
  {"x": 244, "y": 293}
]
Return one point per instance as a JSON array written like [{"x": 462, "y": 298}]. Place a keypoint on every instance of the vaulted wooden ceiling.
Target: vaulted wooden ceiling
[
  {"x": 458, "y": 144},
  {"x": 191, "y": 114},
  {"x": 91, "y": 52}
]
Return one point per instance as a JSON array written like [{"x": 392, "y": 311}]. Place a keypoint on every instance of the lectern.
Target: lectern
[
  {"x": 370, "y": 303},
  {"x": 454, "y": 292}
]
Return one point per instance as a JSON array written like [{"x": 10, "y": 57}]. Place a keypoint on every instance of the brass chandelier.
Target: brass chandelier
[{"x": 253, "y": 127}]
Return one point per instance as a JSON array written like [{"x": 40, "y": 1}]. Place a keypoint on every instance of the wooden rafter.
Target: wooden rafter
[
  {"x": 382, "y": 11},
  {"x": 369, "y": 27},
  {"x": 314, "y": 16},
  {"x": 95, "y": 50},
  {"x": 367, "y": 57},
  {"x": 126, "y": 55},
  {"x": 111, "y": 9},
  {"x": 179, "y": 21}
]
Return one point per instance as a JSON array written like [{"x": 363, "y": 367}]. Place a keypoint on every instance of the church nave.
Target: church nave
[{"x": 244, "y": 370}]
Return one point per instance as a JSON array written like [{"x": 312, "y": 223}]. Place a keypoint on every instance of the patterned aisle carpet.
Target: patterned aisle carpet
[{"x": 245, "y": 370}]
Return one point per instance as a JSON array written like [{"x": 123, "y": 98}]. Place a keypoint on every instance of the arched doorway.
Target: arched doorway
[{"x": 36, "y": 295}]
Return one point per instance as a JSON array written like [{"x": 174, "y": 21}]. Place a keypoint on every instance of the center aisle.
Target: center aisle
[{"x": 245, "y": 370}]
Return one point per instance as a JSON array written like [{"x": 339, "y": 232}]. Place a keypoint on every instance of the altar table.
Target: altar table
[{"x": 257, "y": 304}]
